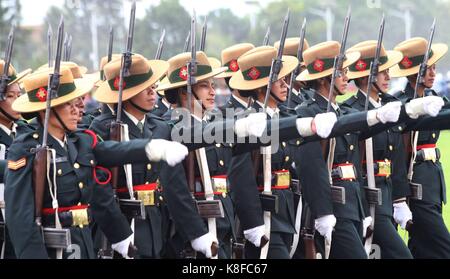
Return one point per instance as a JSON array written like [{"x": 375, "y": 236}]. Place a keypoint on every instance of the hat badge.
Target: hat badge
[
  {"x": 319, "y": 65},
  {"x": 406, "y": 62},
  {"x": 234, "y": 66},
  {"x": 41, "y": 94},
  {"x": 254, "y": 73},
  {"x": 117, "y": 82},
  {"x": 361, "y": 65},
  {"x": 183, "y": 74}
]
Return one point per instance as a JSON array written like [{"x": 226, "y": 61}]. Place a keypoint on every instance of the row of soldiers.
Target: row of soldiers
[{"x": 199, "y": 197}]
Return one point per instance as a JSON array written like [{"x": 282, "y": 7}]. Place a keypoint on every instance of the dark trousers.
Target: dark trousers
[
  {"x": 387, "y": 238},
  {"x": 429, "y": 237},
  {"x": 347, "y": 240}
]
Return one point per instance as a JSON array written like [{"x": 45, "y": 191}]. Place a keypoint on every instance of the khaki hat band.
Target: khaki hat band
[
  {"x": 232, "y": 65},
  {"x": 130, "y": 81},
  {"x": 181, "y": 74},
  {"x": 409, "y": 62},
  {"x": 255, "y": 73},
  {"x": 364, "y": 64},
  {"x": 320, "y": 65},
  {"x": 39, "y": 95}
]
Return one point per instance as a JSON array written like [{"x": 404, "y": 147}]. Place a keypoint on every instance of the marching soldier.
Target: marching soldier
[
  {"x": 428, "y": 237},
  {"x": 390, "y": 171},
  {"x": 342, "y": 220},
  {"x": 252, "y": 77},
  {"x": 10, "y": 125},
  {"x": 75, "y": 191},
  {"x": 219, "y": 155}
]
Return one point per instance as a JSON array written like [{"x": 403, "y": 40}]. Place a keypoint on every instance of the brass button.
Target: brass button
[
  {"x": 297, "y": 142},
  {"x": 146, "y": 182},
  {"x": 76, "y": 165},
  {"x": 391, "y": 147},
  {"x": 60, "y": 172},
  {"x": 35, "y": 135},
  {"x": 149, "y": 166},
  {"x": 286, "y": 158},
  {"x": 434, "y": 135},
  {"x": 352, "y": 147},
  {"x": 284, "y": 144},
  {"x": 92, "y": 162},
  {"x": 79, "y": 204},
  {"x": 400, "y": 128},
  {"x": 221, "y": 163},
  {"x": 80, "y": 185},
  {"x": 224, "y": 195},
  {"x": 218, "y": 145}
]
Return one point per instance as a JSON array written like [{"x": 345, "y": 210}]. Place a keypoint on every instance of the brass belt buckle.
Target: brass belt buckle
[
  {"x": 348, "y": 172},
  {"x": 429, "y": 154},
  {"x": 384, "y": 168},
  {"x": 80, "y": 217},
  {"x": 220, "y": 185},
  {"x": 282, "y": 178},
  {"x": 147, "y": 197}
]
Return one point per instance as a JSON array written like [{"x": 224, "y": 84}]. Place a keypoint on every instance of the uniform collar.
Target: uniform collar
[
  {"x": 9, "y": 131},
  {"x": 270, "y": 111},
  {"x": 239, "y": 100},
  {"x": 374, "y": 103},
  {"x": 322, "y": 98},
  {"x": 134, "y": 119}
]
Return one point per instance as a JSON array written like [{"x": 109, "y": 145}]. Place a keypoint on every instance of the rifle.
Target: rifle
[
  {"x": 65, "y": 46},
  {"x": 307, "y": 233},
  {"x": 203, "y": 37},
  {"x": 266, "y": 37},
  {"x": 338, "y": 193},
  {"x": 57, "y": 237},
  {"x": 4, "y": 79},
  {"x": 106, "y": 252},
  {"x": 160, "y": 45},
  {"x": 296, "y": 72},
  {"x": 411, "y": 139},
  {"x": 373, "y": 194},
  {"x": 267, "y": 151}
]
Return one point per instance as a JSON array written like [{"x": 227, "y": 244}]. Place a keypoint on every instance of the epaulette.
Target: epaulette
[
  {"x": 150, "y": 115},
  {"x": 398, "y": 94},
  {"x": 105, "y": 116},
  {"x": 350, "y": 101}
]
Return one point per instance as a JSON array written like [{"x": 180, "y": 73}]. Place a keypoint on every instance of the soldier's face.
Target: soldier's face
[
  {"x": 430, "y": 76},
  {"x": 383, "y": 79},
  {"x": 79, "y": 102},
  {"x": 12, "y": 93},
  {"x": 342, "y": 82},
  {"x": 205, "y": 92},
  {"x": 280, "y": 89},
  {"x": 146, "y": 99},
  {"x": 69, "y": 114}
]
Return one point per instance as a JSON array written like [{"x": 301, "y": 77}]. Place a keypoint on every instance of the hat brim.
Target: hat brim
[
  {"x": 439, "y": 50},
  {"x": 105, "y": 95},
  {"x": 238, "y": 82},
  {"x": 23, "y": 104},
  {"x": 394, "y": 57},
  {"x": 213, "y": 73},
  {"x": 20, "y": 76},
  {"x": 306, "y": 76}
]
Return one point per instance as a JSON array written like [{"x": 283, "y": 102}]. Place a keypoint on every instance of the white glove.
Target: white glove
[
  {"x": 203, "y": 244},
  {"x": 255, "y": 234},
  {"x": 123, "y": 246},
  {"x": 387, "y": 113},
  {"x": 430, "y": 105},
  {"x": 366, "y": 223},
  {"x": 170, "y": 151},
  {"x": 324, "y": 225},
  {"x": 402, "y": 214},
  {"x": 324, "y": 123},
  {"x": 252, "y": 125}
]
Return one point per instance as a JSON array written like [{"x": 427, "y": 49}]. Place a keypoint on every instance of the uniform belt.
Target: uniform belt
[
  {"x": 382, "y": 168},
  {"x": 281, "y": 180},
  {"x": 144, "y": 192},
  {"x": 343, "y": 172},
  {"x": 427, "y": 152},
  {"x": 72, "y": 216},
  {"x": 219, "y": 184}
]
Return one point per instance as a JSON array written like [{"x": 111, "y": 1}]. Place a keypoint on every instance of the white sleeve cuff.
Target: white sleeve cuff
[
  {"x": 304, "y": 126},
  {"x": 372, "y": 118}
]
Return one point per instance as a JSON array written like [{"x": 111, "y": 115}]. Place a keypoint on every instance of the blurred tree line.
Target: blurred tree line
[{"x": 224, "y": 27}]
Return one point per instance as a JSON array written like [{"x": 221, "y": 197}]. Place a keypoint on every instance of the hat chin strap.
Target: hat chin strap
[
  {"x": 198, "y": 100},
  {"x": 278, "y": 100},
  {"x": 136, "y": 106},
  {"x": 60, "y": 121},
  {"x": 9, "y": 116}
]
